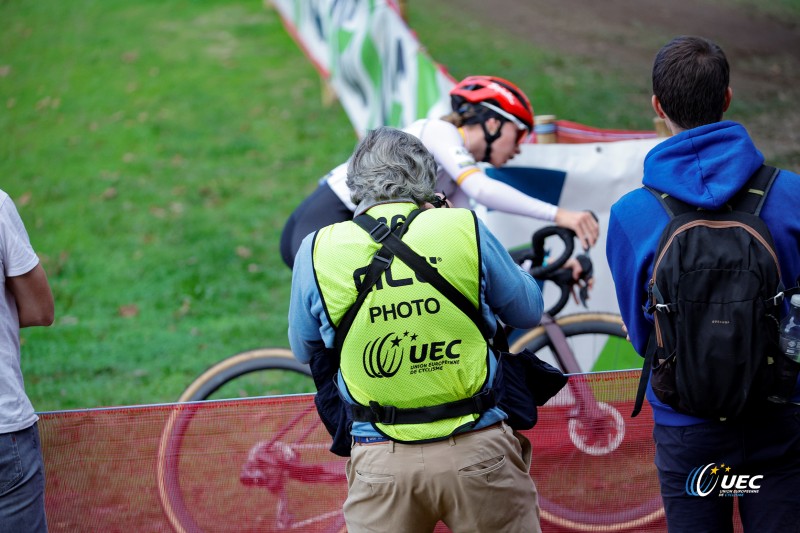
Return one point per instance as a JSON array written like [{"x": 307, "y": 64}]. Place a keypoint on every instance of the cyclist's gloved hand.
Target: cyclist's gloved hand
[
  {"x": 583, "y": 274},
  {"x": 587, "y": 270}
]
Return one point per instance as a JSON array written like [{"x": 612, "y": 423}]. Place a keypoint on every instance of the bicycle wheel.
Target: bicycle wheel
[
  {"x": 259, "y": 372},
  {"x": 580, "y": 485},
  {"x": 600, "y": 336},
  {"x": 248, "y": 472}
]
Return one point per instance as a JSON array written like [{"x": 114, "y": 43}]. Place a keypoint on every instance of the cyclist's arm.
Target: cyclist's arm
[
  {"x": 457, "y": 164},
  {"x": 508, "y": 291},
  {"x": 500, "y": 196}
]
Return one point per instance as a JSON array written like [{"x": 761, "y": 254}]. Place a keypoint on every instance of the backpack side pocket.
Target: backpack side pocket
[{"x": 662, "y": 379}]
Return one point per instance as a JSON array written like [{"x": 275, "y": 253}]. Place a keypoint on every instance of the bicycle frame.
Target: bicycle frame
[
  {"x": 588, "y": 421},
  {"x": 273, "y": 463}
]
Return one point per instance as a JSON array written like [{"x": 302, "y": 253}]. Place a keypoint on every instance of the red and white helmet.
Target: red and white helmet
[{"x": 497, "y": 95}]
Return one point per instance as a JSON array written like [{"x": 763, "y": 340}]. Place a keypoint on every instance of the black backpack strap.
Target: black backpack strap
[
  {"x": 645, "y": 377},
  {"x": 407, "y": 222},
  {"x": 671, "y": 205},
  {"x": 750, "y": 198},
  {"x": 380, "y": 263},
  {"x": 419, "y": 265}
]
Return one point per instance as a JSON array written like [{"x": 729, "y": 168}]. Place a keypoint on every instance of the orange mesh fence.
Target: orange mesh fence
[{"x": 262, "y": 465}]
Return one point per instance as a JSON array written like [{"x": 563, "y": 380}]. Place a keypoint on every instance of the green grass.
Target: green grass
[
  {"x": 154, "y": 150},
  {"x": 777, "y": 8},
  {"x": 617, "y": 354}
]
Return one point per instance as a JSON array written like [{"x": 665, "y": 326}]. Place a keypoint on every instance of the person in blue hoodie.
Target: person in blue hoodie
[{"x": 704, "y": 163}]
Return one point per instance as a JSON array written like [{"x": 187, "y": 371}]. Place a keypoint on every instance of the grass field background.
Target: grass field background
[{"x": 154, "y": 150}]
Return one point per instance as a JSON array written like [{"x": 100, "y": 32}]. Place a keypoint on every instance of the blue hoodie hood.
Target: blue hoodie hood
[{"x": 703, "y": 166}]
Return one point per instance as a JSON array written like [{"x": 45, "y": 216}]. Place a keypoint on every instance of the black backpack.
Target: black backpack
[{"x": 715, "y": 294}]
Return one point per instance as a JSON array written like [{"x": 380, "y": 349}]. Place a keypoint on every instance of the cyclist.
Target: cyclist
[{"x": 491, "y": 117}]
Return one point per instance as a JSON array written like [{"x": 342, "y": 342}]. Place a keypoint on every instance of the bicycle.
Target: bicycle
[
  {"x": 590, "y": 418},
  {"x": 596, "y": 428}
]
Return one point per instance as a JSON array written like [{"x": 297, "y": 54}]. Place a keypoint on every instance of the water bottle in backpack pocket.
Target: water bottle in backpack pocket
[{"x": 787, "y": 364}]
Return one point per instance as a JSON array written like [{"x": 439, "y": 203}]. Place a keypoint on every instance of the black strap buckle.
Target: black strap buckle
[
  {"x": 381, "y": 255},
  {"x": 380, "y": 232},
  {"x": 384, "y": 414},
  {"x": 484, "y": 400}
]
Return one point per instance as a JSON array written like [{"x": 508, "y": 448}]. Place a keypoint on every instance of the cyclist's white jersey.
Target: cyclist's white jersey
[{"x": 459, "y": 176}]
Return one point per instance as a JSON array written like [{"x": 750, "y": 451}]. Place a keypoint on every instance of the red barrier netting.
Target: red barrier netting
[
  {"x": 569, "y": 132},
  {"x": 262, "y": 465},
  {"x": 573, "y": 132}
]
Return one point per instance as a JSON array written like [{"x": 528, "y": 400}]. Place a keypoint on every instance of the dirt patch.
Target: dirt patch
[{"x": 622, "y": 37}]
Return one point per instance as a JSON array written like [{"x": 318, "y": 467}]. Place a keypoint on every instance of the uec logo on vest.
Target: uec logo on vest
[
  {"x": 702, "y": 481},
  {"x": 382, "y": 357}
]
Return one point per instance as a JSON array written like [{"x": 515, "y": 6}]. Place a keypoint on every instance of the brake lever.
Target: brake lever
[
  {"x": 583, "y": 295},
  {"x": 587, "y": 272}
]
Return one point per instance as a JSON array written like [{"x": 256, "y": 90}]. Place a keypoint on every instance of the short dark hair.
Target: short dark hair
[{"x": 690, "y": 78}]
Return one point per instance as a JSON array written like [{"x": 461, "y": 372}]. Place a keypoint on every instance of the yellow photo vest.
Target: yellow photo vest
[{"x": 409, "y": 346}]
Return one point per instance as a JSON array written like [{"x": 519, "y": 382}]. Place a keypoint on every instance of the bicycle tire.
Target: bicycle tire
[
  {"x": 563, "y": 515},
  {"x": 172, "y": 437},
  {"x": 238, "y": 365},
  {"x": 573, "y": 325}
]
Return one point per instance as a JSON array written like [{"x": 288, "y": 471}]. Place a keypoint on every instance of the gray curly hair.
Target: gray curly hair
[{"x": 390, "y": 164}]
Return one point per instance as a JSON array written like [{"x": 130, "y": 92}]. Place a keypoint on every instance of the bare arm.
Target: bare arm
[
  {"x": 582, "y": 223},
  {"x": 34, "y": 298},
  {"x": 495, "y": 194}
]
